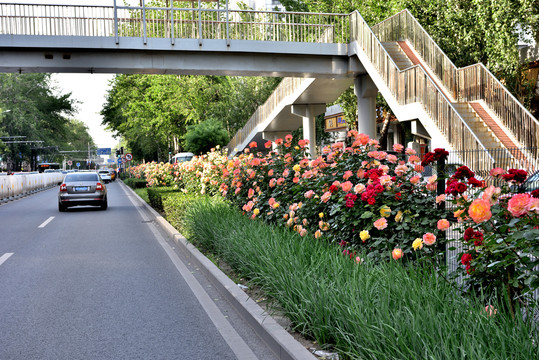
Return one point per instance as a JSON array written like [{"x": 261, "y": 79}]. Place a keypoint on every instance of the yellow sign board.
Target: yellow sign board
[{"x": 335, "y": 123}]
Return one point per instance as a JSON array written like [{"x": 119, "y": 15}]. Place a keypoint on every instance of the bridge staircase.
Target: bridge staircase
[{"x": 473, "y": 112}]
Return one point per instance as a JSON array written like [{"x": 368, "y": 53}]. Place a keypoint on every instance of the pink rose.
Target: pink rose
[
  {"x": 380, "y": 224},
  {"x": 429, "y": 239},
  {"x": 325, "y": 197},
  {"x": 309, "y": 194},
  {"x": 359, "y": 188},
  {"x": 443, "y": 224},
  {"x": 347, "y": 175},
  {"x": 398, "y": 147},
  {"x": 347, "y": 186},
  {"x": 518, "y": 205},
  {"x": 533, "y": 205},
  {"x": 415, "y": 179},
  {"x": 496, "y": 172}
]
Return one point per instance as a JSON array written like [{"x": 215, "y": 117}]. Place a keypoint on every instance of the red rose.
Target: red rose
[
  {"x": 466, "y": 259},
  {"x": 461, "y": 187},
  {"x": 398, "y": 196},
  {"x": 535, "y": 193}
]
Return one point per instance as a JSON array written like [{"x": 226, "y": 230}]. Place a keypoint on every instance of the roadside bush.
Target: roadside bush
[
  {"x": 135, "y": 183},
  {"x": 156, "y": 194},
  {"x": 365, "y": 310},
  {"x": 174, "y": 206}
]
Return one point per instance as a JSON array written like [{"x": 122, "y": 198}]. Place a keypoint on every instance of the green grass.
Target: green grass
[
  {"x": 366, "y": 311},
  {"x": 143, "y": 194}
]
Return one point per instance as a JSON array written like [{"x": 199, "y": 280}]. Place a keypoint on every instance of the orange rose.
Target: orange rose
[
  {"x": 479, "y": 210},
  {"x": 396, "y": 253}
]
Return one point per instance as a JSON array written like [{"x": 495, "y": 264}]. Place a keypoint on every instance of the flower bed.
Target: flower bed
[{"x": 371, "y": 310}]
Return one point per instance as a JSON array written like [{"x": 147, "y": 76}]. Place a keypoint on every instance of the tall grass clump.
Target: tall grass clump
[{"x": 364, "y": 310}]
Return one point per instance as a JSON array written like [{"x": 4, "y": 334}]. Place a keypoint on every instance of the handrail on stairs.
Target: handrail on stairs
[
  {"x": 355, "y": 24},
  {"x": 470, "y": 83}
]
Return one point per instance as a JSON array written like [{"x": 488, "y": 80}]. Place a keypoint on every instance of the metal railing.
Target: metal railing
[
  {"x": 415, "y": 85},
  {"x": 470, "y": 83},
  {"x": 170, "y": 22},
  {"x": 285, "y": 88},
  {"x": 13, "y": 186}
]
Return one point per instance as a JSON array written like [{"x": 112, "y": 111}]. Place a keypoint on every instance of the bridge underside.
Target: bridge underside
[{"x": 185, "y": 56}]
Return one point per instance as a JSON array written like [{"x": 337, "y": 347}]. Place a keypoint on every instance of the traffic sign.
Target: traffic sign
[
  {"x": 124, "y": 160},
  {"x": 103, "y": 151},
  {"x": 119, "y": 161},
  {"x": 69, "y": 162},
  {"x": 78, "y": 164},
  {"x": 128, "y": 157}
]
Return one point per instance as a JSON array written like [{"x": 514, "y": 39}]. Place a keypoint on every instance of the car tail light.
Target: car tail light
[
  {"x": 99, "y": 187},
  {"x": 63, "y": 187}
]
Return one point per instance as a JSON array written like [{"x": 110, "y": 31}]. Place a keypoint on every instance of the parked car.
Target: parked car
[
  {"x": 105, "y": 176},
  {"x": 82, "y": 189}
]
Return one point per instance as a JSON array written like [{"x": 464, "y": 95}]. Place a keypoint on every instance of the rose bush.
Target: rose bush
[{"x": 500, "y": 231}]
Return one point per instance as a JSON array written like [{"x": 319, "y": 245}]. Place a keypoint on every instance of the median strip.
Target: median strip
[
  {"x": 4, "y": 257},
  {"x": 46, "y": 222}
]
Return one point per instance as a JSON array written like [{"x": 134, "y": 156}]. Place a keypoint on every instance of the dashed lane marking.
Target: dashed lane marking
[
  {"x": 46, "y": 222},
  {"x": 4, "y": 257}
]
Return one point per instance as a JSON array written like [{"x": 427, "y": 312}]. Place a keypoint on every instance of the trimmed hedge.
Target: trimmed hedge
[
  {"x": 174, "y": 205},
  {"x": 135, "y": 183},
  {"x": 156, "y": 194}
]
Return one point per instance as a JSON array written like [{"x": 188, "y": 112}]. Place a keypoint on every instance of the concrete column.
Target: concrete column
[
  {"x": 366, "y": 91},
  {"x": 308, "y": 113}
]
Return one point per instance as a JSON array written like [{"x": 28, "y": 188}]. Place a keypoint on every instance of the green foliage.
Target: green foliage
[
  {"x": 468, "y": 31},
  {"x": 202, "y": 137},
  {"x": 38, "y": 113},
  {"x": 156, "y": 195},
  {"x": 174, "y": 206},
  {"x": 135, "y": 183},
  {"x": 153, "y": 112},
  {"x": 366, "y": 310}
]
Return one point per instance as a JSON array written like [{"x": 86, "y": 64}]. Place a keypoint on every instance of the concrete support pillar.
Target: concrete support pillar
[
  {"x": 366, "y": 91},
  {"x": 308, "y": 113}
]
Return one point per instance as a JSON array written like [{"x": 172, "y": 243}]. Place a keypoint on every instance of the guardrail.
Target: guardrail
[
  {"x": 13, "y": 186},
  {"x": 172, "y": 22},
  {"x": 286, "y": 87}
]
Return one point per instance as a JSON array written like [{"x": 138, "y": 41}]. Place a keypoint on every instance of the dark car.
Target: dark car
[{"x": 82, "y": 188}]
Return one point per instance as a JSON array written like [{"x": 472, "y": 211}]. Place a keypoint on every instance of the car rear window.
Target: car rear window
[{"x": 81, "y": 177}]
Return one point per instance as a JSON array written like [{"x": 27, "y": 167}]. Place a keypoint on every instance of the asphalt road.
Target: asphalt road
[{"x": 93, "y": 284}]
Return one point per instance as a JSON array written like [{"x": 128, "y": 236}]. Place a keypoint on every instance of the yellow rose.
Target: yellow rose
[
  {"x": 364, "y": 235},
  {"x": 296, "y": 167},
  {"x": 398, "y": 217},
  {"x": 321, "y": 215},
  {"x": 417, "y": 244},
  {"x": 385, "y": 211},
  {"x": 256, "y": 211}
]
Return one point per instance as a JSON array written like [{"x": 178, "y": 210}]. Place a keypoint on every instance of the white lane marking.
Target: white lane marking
[
  {"x": 46, "y": 222},
  {"x": 229, "y": 334},
  {"x": 4, "y": 257}
]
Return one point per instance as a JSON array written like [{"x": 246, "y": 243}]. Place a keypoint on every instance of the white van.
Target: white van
[{"x": 181, "y": 157}]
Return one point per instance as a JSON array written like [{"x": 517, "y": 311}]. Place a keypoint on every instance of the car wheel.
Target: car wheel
[
  {"x": 61, "y": 207},
  {"x": 104, "y": 205}
]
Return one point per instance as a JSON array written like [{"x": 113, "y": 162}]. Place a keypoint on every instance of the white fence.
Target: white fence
[{"x": 12, "y": 186}]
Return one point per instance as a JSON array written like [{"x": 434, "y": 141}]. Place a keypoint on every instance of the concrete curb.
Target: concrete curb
[{"x": 275, "y": 336}]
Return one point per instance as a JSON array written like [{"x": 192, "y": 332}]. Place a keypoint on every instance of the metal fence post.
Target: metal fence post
[
  {"x": 145, "y": 35},
  {"x": 199, "y": 24},
  {"x": 172, "y": 22},
  {"x": 227, "y": 26},
  {"x": 116, "y": 37}
]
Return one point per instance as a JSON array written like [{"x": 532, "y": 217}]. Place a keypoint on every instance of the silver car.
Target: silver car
[
  {"x": 83, "y": 188},
  {"x": 105, "y": 175}
]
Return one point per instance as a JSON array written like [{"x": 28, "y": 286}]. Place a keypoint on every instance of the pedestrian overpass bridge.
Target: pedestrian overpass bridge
[{"x": 320, "y": 55}]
